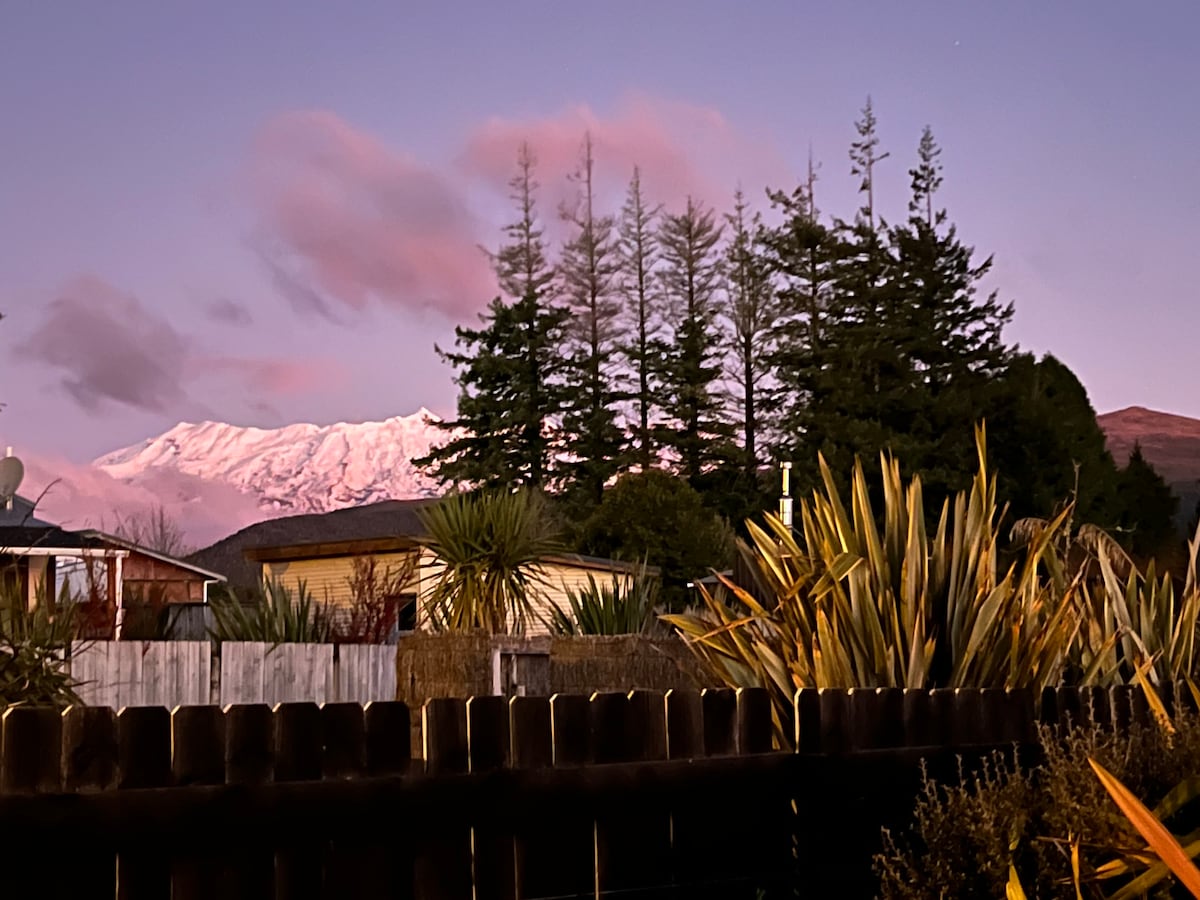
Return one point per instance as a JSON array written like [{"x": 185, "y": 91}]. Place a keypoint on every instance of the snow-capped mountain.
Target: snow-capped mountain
[{"x": 296, "y": 469}]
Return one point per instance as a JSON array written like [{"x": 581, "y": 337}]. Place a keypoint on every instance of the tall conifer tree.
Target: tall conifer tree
[
  {"x": 751, "y": 313},
  {"x": 589, "y": 268},
  {"x": 696, "y": 430},
  {"x": 641, "y": 319},
  {"x": 509, "y": 371}
]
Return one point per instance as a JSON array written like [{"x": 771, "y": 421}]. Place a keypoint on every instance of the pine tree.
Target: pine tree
[
  {"x": 589, "y": 269},
  {"x": 952, "y": 340},
  {"x": 801, "y": 255},
  {"x": 510, "y": 389},
  {"x": 864, "y": 156},
  {"x": 696, "y": 428},
  {"x": 751, "y": 315},
  {"x": 643, "y": 348}
]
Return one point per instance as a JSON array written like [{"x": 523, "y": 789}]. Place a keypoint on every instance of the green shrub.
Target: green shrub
[
  {"x": 274, "y": 615},
  {"x": 626, "y": 606},
  {"x": 33, "y": 651},
  {"x": 965, "y": 836}
]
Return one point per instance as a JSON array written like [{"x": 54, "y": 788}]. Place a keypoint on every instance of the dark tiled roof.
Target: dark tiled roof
[
  {"x": 391, "y": 518},
  {"x": 14, "y": 536},
  {"x": 21, "y": 515}
]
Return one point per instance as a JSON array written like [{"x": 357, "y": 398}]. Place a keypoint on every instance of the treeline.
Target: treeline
[{"x": 713, "y": 345}]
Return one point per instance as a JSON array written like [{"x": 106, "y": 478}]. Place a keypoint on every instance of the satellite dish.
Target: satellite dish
[{"x": 12, "y": 470}]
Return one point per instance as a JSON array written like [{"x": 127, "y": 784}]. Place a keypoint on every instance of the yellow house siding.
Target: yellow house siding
[{"x": 327, "y": 579}]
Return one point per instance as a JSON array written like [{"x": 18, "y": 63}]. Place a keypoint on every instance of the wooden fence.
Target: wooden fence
[
  {"x": 617, "y": 795},
  {"x": 181, "y": 673}
]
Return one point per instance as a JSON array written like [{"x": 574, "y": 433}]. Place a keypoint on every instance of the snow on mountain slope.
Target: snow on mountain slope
[{"x": 296, "y": 469}]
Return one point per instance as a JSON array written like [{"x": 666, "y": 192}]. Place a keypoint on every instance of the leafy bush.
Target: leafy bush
[
  {"x": 626, "y": 606},
  {"x": 966, "y": 836},
  {"x": 378, "y": 594},
  {"x": 274, "y": 615},
  {"x": 33, "y": 651},
  {"x": 660, "y": 518}
]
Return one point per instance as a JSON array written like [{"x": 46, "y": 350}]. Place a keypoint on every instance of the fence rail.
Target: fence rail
[{"x": 615, "y": 795}]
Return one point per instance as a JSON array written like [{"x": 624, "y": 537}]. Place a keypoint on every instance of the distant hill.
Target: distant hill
[{"x": 1169, "y": 442}]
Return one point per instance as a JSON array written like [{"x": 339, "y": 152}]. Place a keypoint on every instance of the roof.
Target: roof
[
  {"x": 45, "y": 536},
  {"x": 388, "y": 519},
  {"x": 599, "y": 563},
  {"x": 112, "y": 540},
  {"x": 21, "y": 514}
]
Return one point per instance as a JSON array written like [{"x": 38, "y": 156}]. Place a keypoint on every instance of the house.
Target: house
[
  {"x": 322, "y": 550},
  {"x": 109, "y": 575}
]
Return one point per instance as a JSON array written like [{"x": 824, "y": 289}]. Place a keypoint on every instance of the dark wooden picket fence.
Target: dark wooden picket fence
[{"x": 639, "y": 795}]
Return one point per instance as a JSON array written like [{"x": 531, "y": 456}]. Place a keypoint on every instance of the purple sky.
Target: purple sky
[{"x": 268, "y": 212}]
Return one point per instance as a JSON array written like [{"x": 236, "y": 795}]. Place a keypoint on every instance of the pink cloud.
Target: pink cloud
[
  {"x": 346, "y": 221},
  {"x": 681, "y": 149},
  {"x": 110, "y": 348},
  {"x": 280, "y": 377},
  {"x": 81, "y": 496}
]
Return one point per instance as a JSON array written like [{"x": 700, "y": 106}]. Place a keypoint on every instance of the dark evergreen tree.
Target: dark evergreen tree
[
  {"x": 589, "y": 268},
  {"x": 509, "y": 371},
  {"x": 696, "y": 429},
  {"x": 642, "y": 322},
  {"x": 658, "y": 517},
  {"x": 1148, "y": 509},
  {"x": 1045, "y": 444},
  {"x": 751, "y": 314}
]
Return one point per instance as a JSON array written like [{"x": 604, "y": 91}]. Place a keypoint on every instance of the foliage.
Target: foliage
[
  {"x": 155, "y": 530},
  {"x": 33, "y": 650},
  {"x": 274, "y": 614},
  {"x": 695, "y": 428},
  {"x": 628, "y": 605},
  {"x": 1074, "y": 826},
  {"x": 1049, "y": 445},
  {"x": 593, "y": 443},
  {"x": 852, "y": 603},
  {"x": 509, "y": 371},
  {"x": 658, "y": 517},
  {"x": 489, "y": 547},
  {"x": 1147, "y": 508},
  {"x": 642, "y": 344},
  {"x": 751, "y": 312},
  {"x": 378, "y": 594}
]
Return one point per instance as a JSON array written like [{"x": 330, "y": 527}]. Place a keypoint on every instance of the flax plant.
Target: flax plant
[
  {"x": 848, "y": 602},
  {"x": 489, "y": 549}
]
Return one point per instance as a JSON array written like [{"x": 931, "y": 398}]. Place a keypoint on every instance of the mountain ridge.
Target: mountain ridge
[{"x": 297, "y": 468}]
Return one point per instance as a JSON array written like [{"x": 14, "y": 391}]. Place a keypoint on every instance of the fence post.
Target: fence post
[
  {"x": 632, "y": 845},
  {"x": 387, "y": 865},
  {"x": 533, "y": 748},
  {"x": 299, "y": 747},
  {"x": 197, "y": 757},
  {"x": 443, "y": 864},
  {"x": 144, "y": 759},
  {"x": 30, "y": 750},
  {"x": 89, "y": 764},
  {"x": 720, "y": 721},
  {"x": 250, "y": 760},
  {"x": 490, "y": 747},
  {"x": 567, "y": 856}
]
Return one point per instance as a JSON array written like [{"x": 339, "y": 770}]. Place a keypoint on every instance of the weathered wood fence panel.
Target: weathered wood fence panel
[
  {"x": 287, "y": 673},
  {"x": 365, "y": 672},
  {"x": 142, "y": 673}
]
